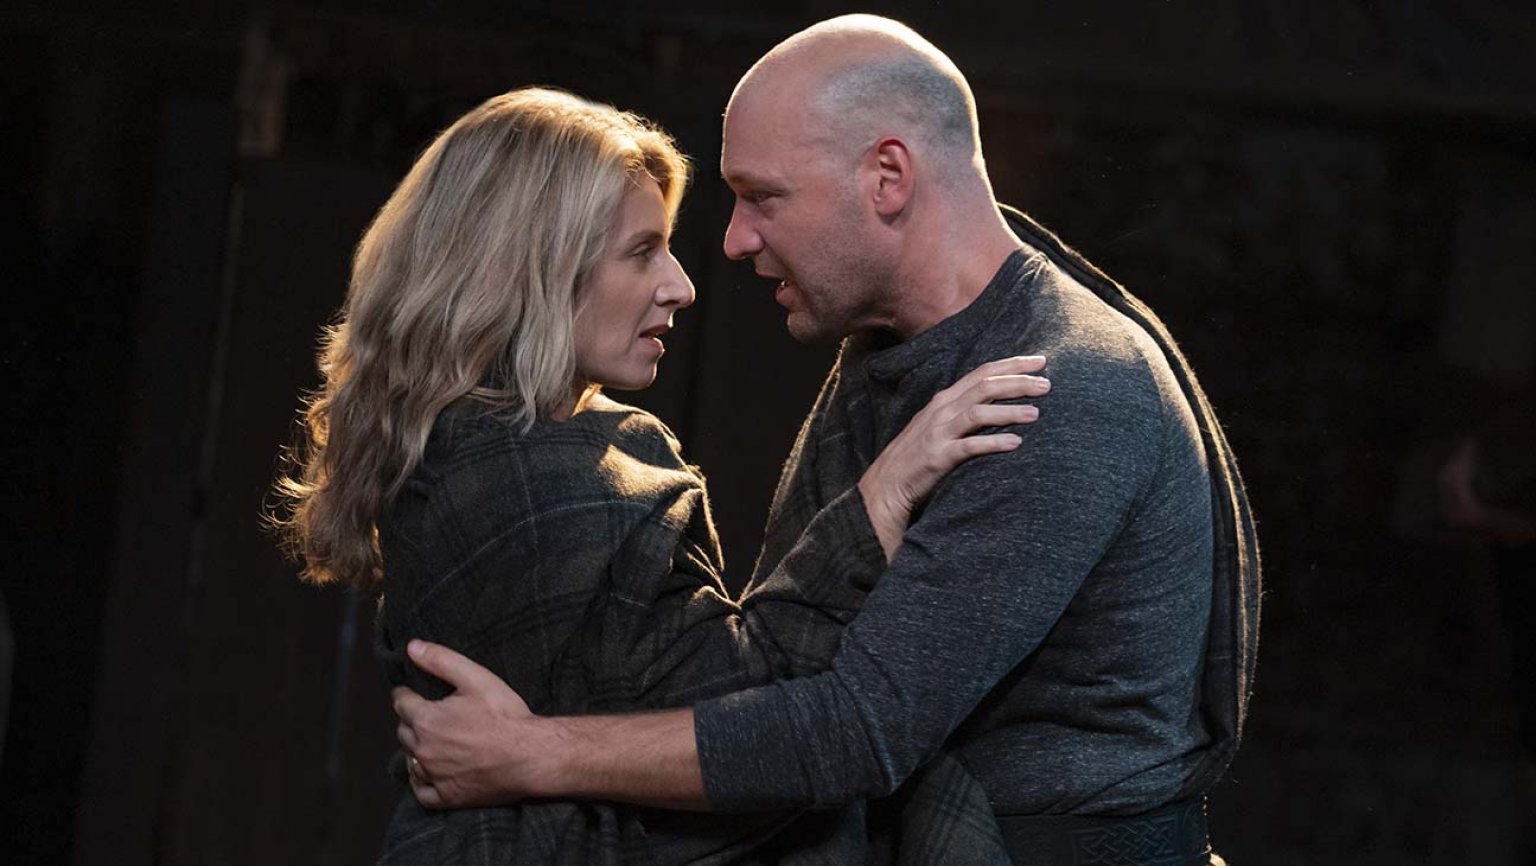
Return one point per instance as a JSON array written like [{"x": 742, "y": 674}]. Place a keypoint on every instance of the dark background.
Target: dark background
[{"x": 1333, "y": 205}]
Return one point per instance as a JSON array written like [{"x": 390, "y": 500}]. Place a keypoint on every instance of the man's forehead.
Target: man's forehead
[
  {"x": 748, "y": 151},
  {"x": 764, "y": 144}
]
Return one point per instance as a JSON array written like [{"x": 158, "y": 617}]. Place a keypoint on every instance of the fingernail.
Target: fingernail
[
  {"x": 1016, "y": 440},
  {"x": 415, "y": 648},
  {"x": 1031, "y": 412}
]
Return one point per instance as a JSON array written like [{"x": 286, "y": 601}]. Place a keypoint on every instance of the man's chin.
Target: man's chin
[{"x": 804, "y": 328}]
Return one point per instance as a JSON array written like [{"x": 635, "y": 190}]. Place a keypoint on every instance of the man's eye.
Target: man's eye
[{"x": 758, "y": 197}]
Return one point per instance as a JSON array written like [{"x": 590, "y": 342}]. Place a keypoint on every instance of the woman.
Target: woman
[{"x": 462, "y": 457}]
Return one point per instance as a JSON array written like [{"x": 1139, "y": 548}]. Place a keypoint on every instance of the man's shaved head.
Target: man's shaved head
[
  {"x": 853, "y": 153},
  {"x": 858, "y": 77}
]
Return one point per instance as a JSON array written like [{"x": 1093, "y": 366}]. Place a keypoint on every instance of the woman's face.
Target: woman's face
[{"x": 631, "y": 295}]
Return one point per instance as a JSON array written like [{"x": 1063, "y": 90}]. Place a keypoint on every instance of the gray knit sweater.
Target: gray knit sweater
[{"x": 1045, "y": 620}]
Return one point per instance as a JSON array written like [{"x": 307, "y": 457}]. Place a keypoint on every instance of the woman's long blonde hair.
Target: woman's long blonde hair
[{"x": 466, "y": 284}]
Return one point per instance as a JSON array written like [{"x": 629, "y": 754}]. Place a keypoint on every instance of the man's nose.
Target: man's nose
[{"x": 741, "y": 238}]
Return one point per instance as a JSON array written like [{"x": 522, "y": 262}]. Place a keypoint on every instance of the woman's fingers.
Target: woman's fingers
[
  {"x": 975, "y": 407},
  {"x": 992, "y": 415},
  {"x": 1007, "y": 379},
  {"x": 1016, "y": 365},
  {"x": 1006, "y": 387},
  {"x": 971, "y": 404},
  {"x": 957, "y": 445},
  {"x": 962, "y": 450},
  {"x": 1006, "y": 366}
]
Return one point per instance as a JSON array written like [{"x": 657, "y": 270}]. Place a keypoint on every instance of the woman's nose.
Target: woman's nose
[{"x": 676, "y": 290}]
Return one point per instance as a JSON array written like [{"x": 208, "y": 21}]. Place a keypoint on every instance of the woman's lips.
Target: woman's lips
[{"x": 653, "y": 336}]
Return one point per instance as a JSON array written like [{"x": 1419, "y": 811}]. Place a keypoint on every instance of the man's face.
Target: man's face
[{"x": 797, "y": 217}]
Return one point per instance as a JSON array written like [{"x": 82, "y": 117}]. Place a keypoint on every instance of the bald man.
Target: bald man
[{"x": 1074, "y": 621}]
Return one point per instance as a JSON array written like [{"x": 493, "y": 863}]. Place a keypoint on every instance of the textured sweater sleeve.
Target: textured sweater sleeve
[{"x": 982, "y": 576}]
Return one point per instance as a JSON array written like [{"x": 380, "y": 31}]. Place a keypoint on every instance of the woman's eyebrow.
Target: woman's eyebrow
[{"x": 641, "y": 236}]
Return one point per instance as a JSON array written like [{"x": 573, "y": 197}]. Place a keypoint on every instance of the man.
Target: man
[{"x": 1074, "y": 621}]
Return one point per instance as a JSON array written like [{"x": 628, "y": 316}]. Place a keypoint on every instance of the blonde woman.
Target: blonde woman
[{"x": 462, "y": 458}]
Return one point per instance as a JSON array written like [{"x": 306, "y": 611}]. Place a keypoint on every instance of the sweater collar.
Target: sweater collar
[{"x": 895, "y": 362}]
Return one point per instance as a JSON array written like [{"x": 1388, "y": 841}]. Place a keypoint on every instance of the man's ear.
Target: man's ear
[{"x": 891, "y": 161}]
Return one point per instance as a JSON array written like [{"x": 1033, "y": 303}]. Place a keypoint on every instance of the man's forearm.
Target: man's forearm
[{"x": 645, "y": 758}]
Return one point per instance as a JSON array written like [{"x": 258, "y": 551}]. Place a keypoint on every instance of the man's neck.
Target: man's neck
[{"x": 949, "y": 274}]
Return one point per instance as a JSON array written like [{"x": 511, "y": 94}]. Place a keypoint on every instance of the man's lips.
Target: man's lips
[{"x": 782, "y": 291}]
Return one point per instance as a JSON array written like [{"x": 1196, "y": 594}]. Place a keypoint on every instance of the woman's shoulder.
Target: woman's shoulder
[
  {"x": 468, "y": 431},
  {"x": 629, "y": 422},
  {"x": 476, "y": 440},
  {"x": 636, "y": 441}
]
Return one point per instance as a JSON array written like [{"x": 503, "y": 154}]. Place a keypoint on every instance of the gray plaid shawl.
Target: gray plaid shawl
[{"x": 578, "y": 561}]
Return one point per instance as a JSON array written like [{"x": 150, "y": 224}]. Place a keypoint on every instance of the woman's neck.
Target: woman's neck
[{"x": 580, "y": 397}]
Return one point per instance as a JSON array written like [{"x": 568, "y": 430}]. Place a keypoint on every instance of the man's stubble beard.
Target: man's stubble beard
[{"x": 835, "y": 300}]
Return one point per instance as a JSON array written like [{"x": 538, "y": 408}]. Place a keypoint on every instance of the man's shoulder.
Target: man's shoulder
[{"x": 1079, "y": 332}]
